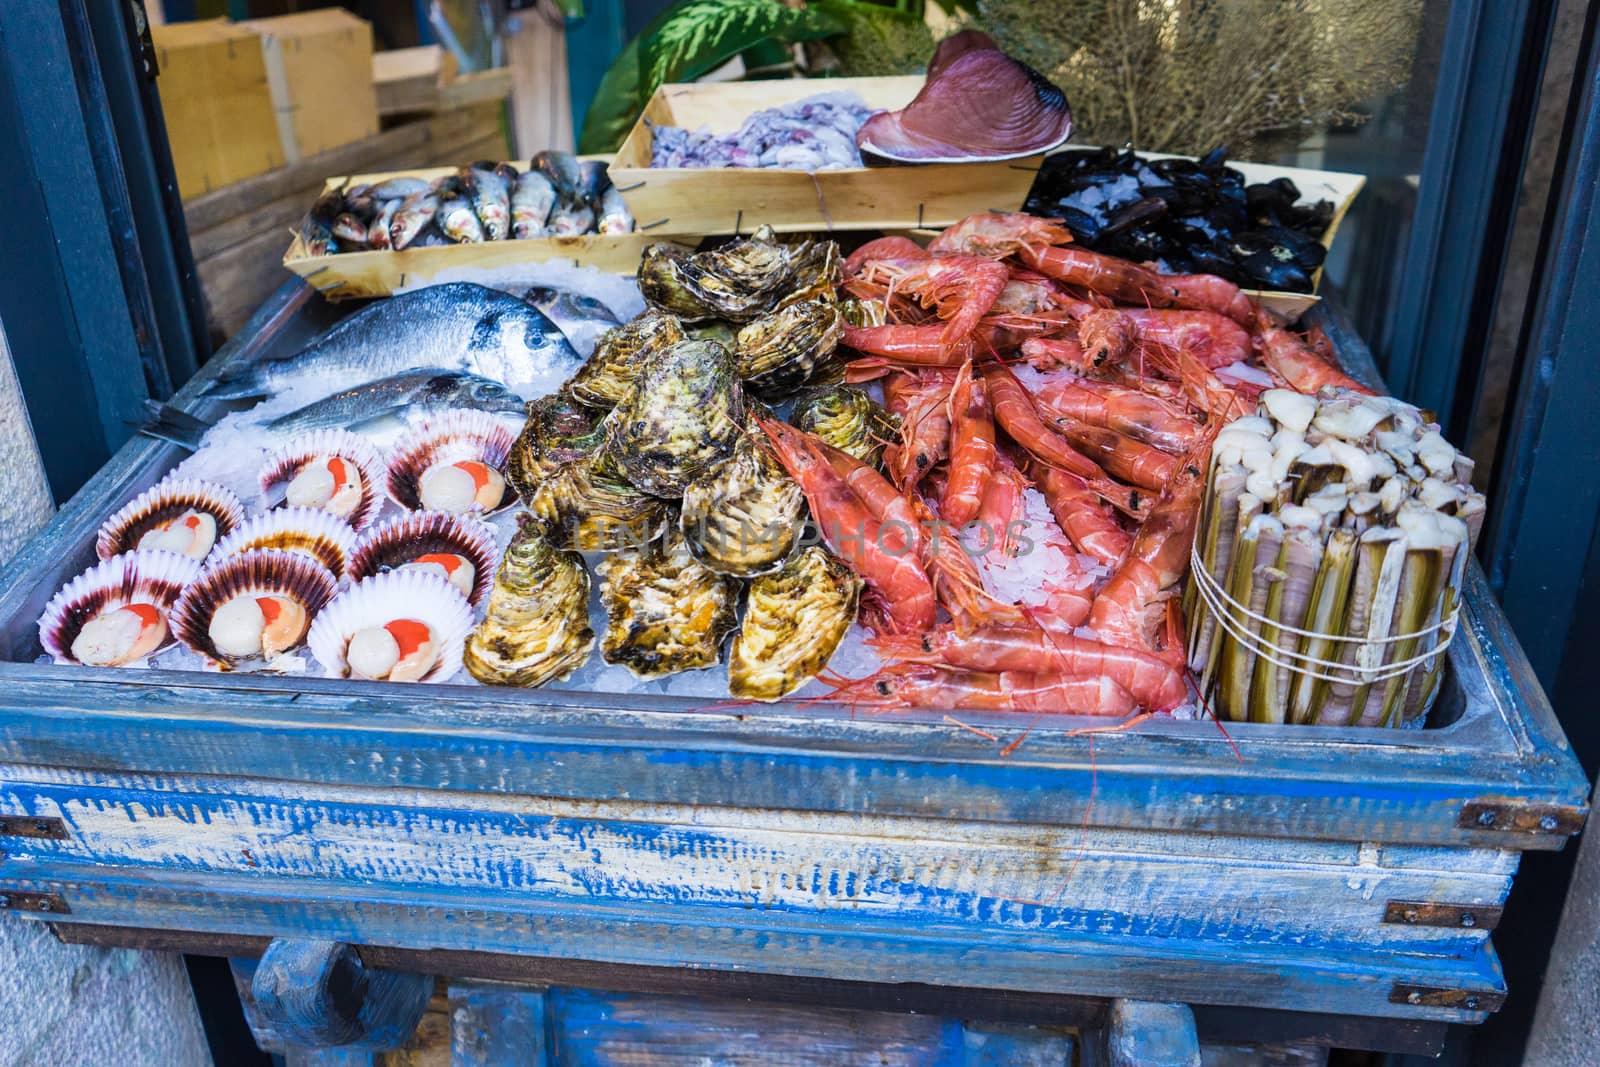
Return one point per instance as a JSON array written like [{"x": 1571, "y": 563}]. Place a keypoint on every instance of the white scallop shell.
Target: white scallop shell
[
  {"x": 260, "y": 570},
  {"x": 384, "y": 598},
  {"x": 451, "y": 438},
  {"x": 283, "y": 463},
  {"x": 404, "y": 538},
  {"x": 319, "y": 534},
  {"x": 165, "y": 499},
  {"x": 148, "y": 577}
]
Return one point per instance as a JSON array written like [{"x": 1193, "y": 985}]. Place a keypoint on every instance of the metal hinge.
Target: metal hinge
[
  {"x": 1432, "y": 996},
  {"x": 1435, "y": 913},
  {"x": 40, "y": 903},
  {"x": 33, "y": 826},
  {"x": 1564, "y": 820}
]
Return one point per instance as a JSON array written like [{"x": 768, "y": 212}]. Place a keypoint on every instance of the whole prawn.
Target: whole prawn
[
  {"x": 960, "y": 289},
  {"x": 893, "y": 247},
  {"x": 1090, "y": 527},
  {"x": 1293, "y": 360},
  {"x": 920, "y": 686},
  {"x": 1111, "y": 334},
  {"x": 998, "y": 234},
  {"x": 1143, "y": 417},
  {"x": 972, "y": 448},
  {"x": 922, "y": 403},
  {"x": 1014, "y": 410},
  {"x": 956, "y": 582}
]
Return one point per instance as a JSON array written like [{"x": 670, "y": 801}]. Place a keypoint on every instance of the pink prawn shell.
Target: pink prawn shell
[
  {"x": 283, "y": 463},
  {"x": 457, "y": 436},
  {"x": 164, "y": 500},
  {"x": 401, "y": 540},
  {"x": 320, "y": 534},
  {"x": 266, "y": 571},
  {"x": 384, "y": 598},
  {"x": 148, "y": 577}
]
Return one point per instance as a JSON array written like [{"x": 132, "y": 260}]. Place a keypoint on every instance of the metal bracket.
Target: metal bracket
[
  {"x": 39, "y": 903},
  {"x": 33, "y": 826},
  {"x": 1518, "y": 818},
  {"x": 1437, "y": 913},
  {"x": 1430, "y": 996}
]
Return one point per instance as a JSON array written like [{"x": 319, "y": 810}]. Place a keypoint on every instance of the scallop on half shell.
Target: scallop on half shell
[
  {"x": 331, "y": 470},
  {"x": 253, "y": 607},
  {"x": 458, "y": 549},
  {"x": 455, "y": 463},
  {"x": 319, "y": 534},
  {"x": 116, "y": 612},
  {"x": 181, "y": 515},
  {"x": 403, "y": 626}
]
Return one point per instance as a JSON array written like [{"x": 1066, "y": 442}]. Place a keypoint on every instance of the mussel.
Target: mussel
[
  {"x": 743, "y": 518},
  {"x": 609, "y": 373},
  {"x": 537, "y": 627},
  {"x": 793, "y": 622},
  {"x": 666, "y": 611},
  {"x": 681, "y": 420},
  {"x": 848, "y": 419},
  {"x": 778, "y": 353},
  {"x": 589, "y": 505}
]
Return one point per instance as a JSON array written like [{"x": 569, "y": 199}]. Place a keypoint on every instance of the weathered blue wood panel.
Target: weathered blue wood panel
[
  {"x": 318, "y": 993},
  {"x": 496, "y": 1025}
]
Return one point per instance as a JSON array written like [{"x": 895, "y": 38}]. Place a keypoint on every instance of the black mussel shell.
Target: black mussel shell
[
  {"x": 1266, "y": 271},
  {"x": 1214, "y": 160},
  {"x": 1084, "y": 226},
  {"x": 1287, "y": 187},
  {"x": 1141, "y": 212},
  {"x": 1313, "y": 219}
]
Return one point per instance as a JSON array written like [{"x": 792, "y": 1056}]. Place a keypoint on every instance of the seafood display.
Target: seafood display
[
  {"x": 333, "y": 471},
  {"x": 817, "y": 133},
  {"x": 1186, "y": 216},
  {"x": 665, "y": 611},
  {"x": 182, "y": 516},
  {"x": 454, "y": 464},
  {"x": 977, "y": 104},
  {"x": 1330, "y": 560},
  {"x": 484, "y": 201},
  {"x": 401, "y": 626},
  {"x": 460, "y": 550},
  {"x": 252, "y": 608},
  {"x": 793, "y": 622},
  {"x": 117, "y": 612}
]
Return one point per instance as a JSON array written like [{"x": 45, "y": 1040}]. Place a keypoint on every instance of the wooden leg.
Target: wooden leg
[
  {"x": 310, "y": 995},
  {"x": 496, "y": 1025},
  {"x": 1139, "y": 1033}
]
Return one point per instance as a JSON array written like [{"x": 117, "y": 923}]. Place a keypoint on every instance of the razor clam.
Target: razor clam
[
  {"x": 666, "y": 612},
  {"x": 609, "y": 373},
  {"x": 681, "y": 420},
  {"x": 744, "y": 517},
  {"x": 739, "y": 281},
  {"x": 778, "y": 352},
  {"x": 848, "y": 419},
  {"x": 537, "y": 627},
  {"x": 588, "y": 505},
  {"x": 558, "y": 431},
  {"x": 793, "y": 622}
]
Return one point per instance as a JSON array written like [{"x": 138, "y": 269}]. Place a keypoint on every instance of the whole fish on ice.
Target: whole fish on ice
[
  {"x": 459, "y": 326},
  {"x": 581, "y": 318}
]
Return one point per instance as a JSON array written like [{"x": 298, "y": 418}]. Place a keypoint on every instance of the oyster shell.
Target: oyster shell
[
  {"x": 252, "y": 607},
  {"x": 559, "y": 430},
  {"x": 744, "y": 517},
  {"x": 777, "y": 353},
  {"x": 681, "y": 420},
  {"x": 818, "y": 270},
  {"x": 588, "y": 505},
  {"x": 116, "y": 612},
  {"x": 458, "y": 549},
  {"x": 314, "y": 470},
  {"x": 324, "y": 537},
  {"x": 180, "y": 515},
  {"x": 537, "y": 627},
  {"x": 793, "y": 622},
  {"x": 608, "y": 375},
  {"x": 849, "y": 420},
  {"x": 666, "y": 612},
  {"x": 864, "y": 312},
  {"x": 740, "y": 281},
  {"x": 455, "y": 463},
  {"x": 402, "y": 626}
]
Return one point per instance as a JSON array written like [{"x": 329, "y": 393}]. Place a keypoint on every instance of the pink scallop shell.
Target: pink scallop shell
[
  {"x": 173, "y": 496},
  {"x": 320, "y": 534},
  {"x": 401, "y": 540},
  {"x": 455, "y": 436},
  {"x": 283, "y": 463},
  {"x": 384, "y": 598},
  {"x": 148, "y": 577},
  {"x": 260, "y": 570}
]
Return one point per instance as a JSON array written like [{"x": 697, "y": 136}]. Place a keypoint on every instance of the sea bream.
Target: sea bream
[
  {"x": 459, "y": 326},
  {"x": 582, "y": 319}
]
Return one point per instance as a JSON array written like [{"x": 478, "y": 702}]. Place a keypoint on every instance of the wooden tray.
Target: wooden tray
[
  {"x": 705, "y": 200},
  {"x": 348, "y": 275}
]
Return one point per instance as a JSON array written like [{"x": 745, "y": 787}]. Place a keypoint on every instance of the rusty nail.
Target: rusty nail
[
  {"x": 1468, "y": 919},
  {"x": 1548, "y": 823},
  {"x": 1472, "y": 1003},
  {"x": 1413, "y": 998},
  {"x": 1487, "y": 818},
  {"x": 1411, "y": 915}
]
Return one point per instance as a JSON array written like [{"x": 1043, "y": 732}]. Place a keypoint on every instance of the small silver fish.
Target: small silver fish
[
  {"x": 561, "y": 168},
  {"x": 491, "y": 199},
  {"x": 415, "y": 212},
  {"x": 614, "y": 214},
  {"x": 581, "y": 319},
  {"x": 531, "y": 202},
  {"x": 378, "y": 232},
  {"x": 397, "y": 188},
  {"x": 350, "y": 231},
  {"x": 457, "y": 219},
  {"x": 572, "y": 217},
  {"x": 592, "y": 180}
]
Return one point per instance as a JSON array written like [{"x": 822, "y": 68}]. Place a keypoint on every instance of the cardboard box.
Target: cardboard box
[
  {"x": 217, "y": 104},
  {"x": 319, "y": 66}
]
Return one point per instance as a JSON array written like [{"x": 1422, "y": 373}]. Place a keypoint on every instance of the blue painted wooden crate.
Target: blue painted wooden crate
[{"x": 1350, "y": 872}]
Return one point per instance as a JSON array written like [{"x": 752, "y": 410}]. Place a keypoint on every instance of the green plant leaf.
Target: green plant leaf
[
  {"x": 878, "y": 39},
  {"x": 616, "y": 105},
  {"x": 694, "y": 37}
]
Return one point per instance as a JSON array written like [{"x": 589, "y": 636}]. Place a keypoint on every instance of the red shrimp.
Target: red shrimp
[
  {"x": 1292, "y": 359},
  {"x": 1004, "y": 505},
  {"x": 1207, "y": 292},
  {"x": 956, "y": 582},
  {"x": 1014, "y": 410},
  {"x": 960, "y": 289},
  {"x": 972, "y": 448},
  {"x": 853, "y": 533},
  {"x": 893, "y": 247},
  {"x": 920, "y": 686},
  {"x": 922, "y": 403},
  {"x": 1047, "y": 353},
  {"x": 883, "y": 501},
  {"x": 1143, "y": 417},
  {"x": 1077, "y": 509},
  {"x": 1110, "y": 335},
  {"x": 1152, "y": 682},
  {"x": 996, "y": 235},
  {"x": 1125, "y": 282},
  {"x": 1120, "y": 455},
  {"x": 896, "y": 344}
]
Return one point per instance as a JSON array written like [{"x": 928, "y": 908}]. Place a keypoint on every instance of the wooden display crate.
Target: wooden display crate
[
  {"x": 217, "y": 104},
  {"x": 709, "y": 200},
  {"x": 319, "y": 66},
  {"x": 411, "y": 81},
  {"x": 347, "y": 275}
]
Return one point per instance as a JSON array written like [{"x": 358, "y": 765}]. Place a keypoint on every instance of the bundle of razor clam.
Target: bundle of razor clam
[
  {"x": 1326, "y": 577},
  {"x": 557, "y": 196}
]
